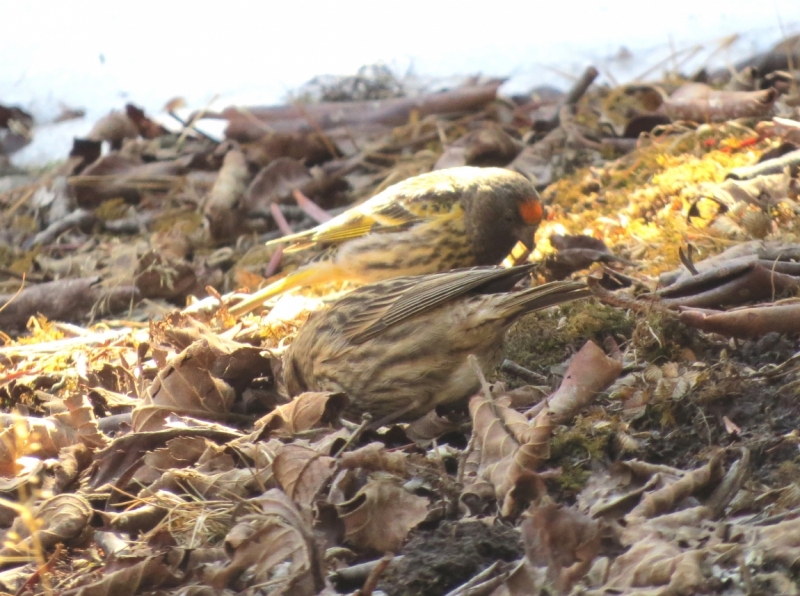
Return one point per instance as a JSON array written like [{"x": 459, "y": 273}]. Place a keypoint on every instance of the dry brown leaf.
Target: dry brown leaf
[
  {"x": 158, "y": 571},
  {"x": 785, "y": 128},
  {"x": 118, "y": 176},
  {"x": 779, "y": 542},
  {"x": 114, "y": 378},
  {"x": 381, "y": 515},
  {"x": 574, "y": 253},
  {"x": 126, "y": 452},
  {"x": 275, "y": 183},
  {"x": 20, "y": 475},
  {"x": 202, "y": 381},
  {"x": 762, "y": 191},
  {"x": 590, "y": 371},
  {"x": 375, "y": 458},
  {"x": 28, "y": 435},
  {"x": 700, "y": 103},
  {"x": 524, "y": 580},
  {"x": 611, "y": 493},
  {"x": 563, "y": 539},
  {"x": 181, "y": 452},
  {"x": 146, "y": 127},
  {"x": 666, "y": 498},
  {"x": 161, "y": 276},
  {"x": 521, "y": 397},
  {"x": 301, "y": 472},
  {"x": 224, "y": 208},
  {"x": 136, "y": 520},
  {"x": 654, "y": 563},
  {"x": 429, "y": 427},
  {"x": 745, "y": 322},
  {"x": 307, "y": 147},
  {"x": 80, "y": 416},
  {"x": 60, "y": 519},
  {"x": 490, "y": 145},
  {"x": 72, "y": 461},
  {"x": 185, "y": 387},
  {"x": 506, "y": 454},
  {"x": 223, "y": 484},
  {"x": 68, "y": 300},
  {"x": 261, "y": 544},
  {"x": 306, "y": 411},
  {"x": 690, "y": 527}
]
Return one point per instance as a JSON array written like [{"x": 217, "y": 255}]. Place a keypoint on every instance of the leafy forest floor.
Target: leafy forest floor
[{"x": 641, "y": 442}]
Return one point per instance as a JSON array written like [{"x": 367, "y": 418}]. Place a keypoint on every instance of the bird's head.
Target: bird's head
[{"x": 505, "y": 209}]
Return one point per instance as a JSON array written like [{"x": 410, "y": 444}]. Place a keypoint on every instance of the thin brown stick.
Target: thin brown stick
[
  {"x": 41, "y": 571},
  {"x": 511, "y": 367},
  {"x": 280, "y": 220},
  {"x": 15, "y": 296},
  {"x": 372, "y": 579},
  {"x": 575, "y": 93},
  {"x": 313, "y": 210},
  {"x": 366, "y": 419}
]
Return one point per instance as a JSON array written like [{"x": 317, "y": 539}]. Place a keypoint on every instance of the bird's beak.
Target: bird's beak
[{"x": 527, "y": 236}]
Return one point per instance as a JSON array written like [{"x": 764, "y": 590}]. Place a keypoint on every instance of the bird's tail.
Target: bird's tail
[
  {"x": 318, "y": 273},
  {"x": 514, "y": 305}
]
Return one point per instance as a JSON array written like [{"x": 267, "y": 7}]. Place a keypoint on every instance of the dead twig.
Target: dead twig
[
  {"x": 575, "y": 93},
  {"x": 511, "y": 367},
  {"x": 372, "y": 579}
]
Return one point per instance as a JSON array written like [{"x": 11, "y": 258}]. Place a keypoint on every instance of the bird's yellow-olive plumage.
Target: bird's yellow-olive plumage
[
  {"x": 400, "y": 347},
  {"x": 434, "y": 222}
]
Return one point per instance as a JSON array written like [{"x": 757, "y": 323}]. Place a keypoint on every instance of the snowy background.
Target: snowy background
[{"x": 99, "y": 55}]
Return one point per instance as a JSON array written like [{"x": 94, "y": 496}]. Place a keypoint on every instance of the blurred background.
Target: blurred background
[{"x": 96, "y": 56}]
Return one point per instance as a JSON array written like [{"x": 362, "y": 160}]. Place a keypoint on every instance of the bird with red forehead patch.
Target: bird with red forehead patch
[{"x": 431, "y": 223}]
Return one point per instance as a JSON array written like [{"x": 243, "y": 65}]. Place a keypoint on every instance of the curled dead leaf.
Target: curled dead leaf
[
  {"x": 306, "y": 411},
  {"x": 185, "y": 387},
  {"x": 60, "y": 519},
  {"x": 700, "y": 103},
  {"x": 301, "y": 472},
  {"x": 260, "y": 544},
  {"x": 381, "y": 515},
  {"x": 164, "y": 570},
  {"x": 666, "y": 498},
  {"x": 507, "y": 451},
  {"x": 224, "y": 209},
  {"x": 745, "y": 322},
  {"x": 375, "y": 458},
  {"x": 590, "y": 372}
]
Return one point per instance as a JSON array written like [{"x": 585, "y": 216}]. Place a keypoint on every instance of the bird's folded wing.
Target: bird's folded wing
[
  {"x": 414, "y": 295},
  {"x": 354, "y": 224}
]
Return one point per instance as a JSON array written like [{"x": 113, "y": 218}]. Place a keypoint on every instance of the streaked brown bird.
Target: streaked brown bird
[
  {"x": 400, "y": 347},
  {"x": 434, "y": 222}
]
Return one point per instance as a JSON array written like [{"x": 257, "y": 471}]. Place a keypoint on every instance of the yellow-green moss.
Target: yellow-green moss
[
  {"x": 537, "y": 341},
  {"x": 570, "y": 448}
]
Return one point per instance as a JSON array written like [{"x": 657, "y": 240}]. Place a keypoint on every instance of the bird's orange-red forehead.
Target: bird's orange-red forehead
[{"x": 531, "y": 211}]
